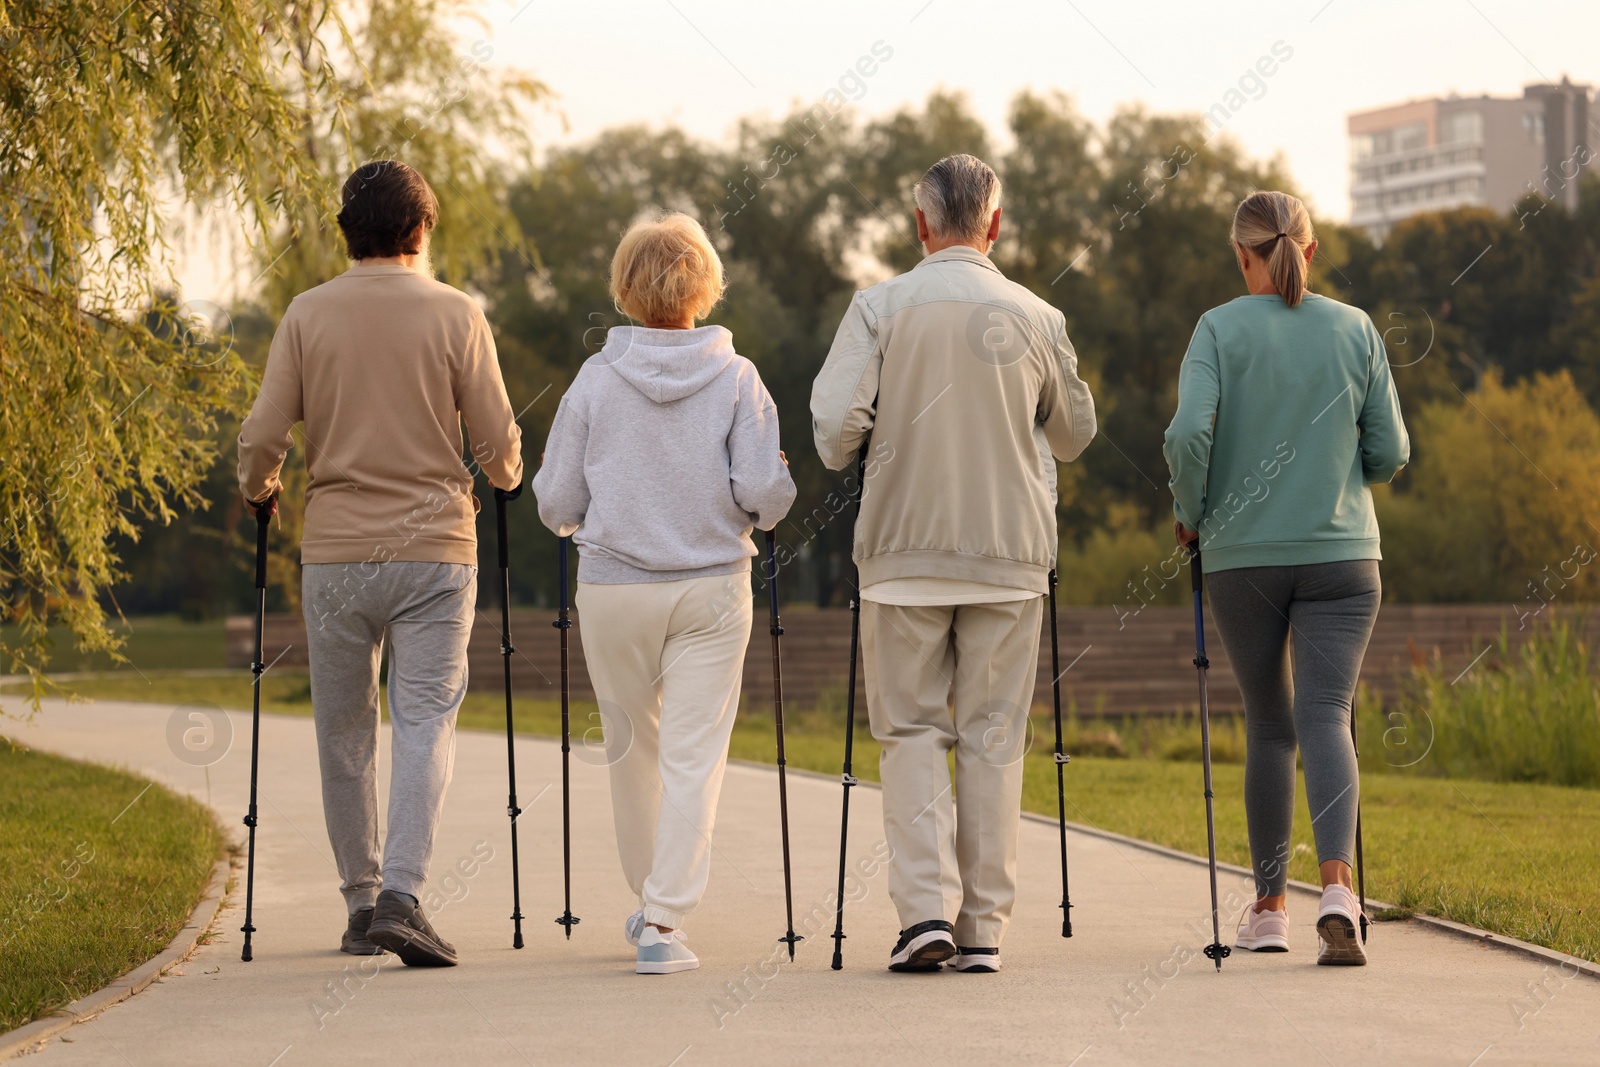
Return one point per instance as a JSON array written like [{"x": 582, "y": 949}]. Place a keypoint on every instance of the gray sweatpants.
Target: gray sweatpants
[
  {"x": 1296, "y": 637},
  {"x": 424, "y": 611}
]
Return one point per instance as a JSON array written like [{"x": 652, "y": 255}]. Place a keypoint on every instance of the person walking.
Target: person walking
[
  {"x": 662, "y": 458},
  {"x": 1287, "y": 416},
  {"x": 969, "y": 388},
  {"x": 381, "y": 365}
]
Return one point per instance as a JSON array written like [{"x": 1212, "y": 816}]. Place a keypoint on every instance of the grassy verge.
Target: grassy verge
[
  {"x": 1513, "y": 857},
  {"x": 99, "y": 870},
  {"x": 152, "y": 643},
  {"x": 1526, "y": 713}
]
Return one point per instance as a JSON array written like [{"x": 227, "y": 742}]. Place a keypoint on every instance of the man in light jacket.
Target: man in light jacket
[
  {"x": 969, "y": 389},
  {"x": 381, "y": 364}
]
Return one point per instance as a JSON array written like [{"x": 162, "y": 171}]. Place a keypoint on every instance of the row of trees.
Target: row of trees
[
  {"x": 1125, "y": 229},
  {"x": 1491, "y": 318}
]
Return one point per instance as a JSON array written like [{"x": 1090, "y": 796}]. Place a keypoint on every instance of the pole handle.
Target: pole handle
[
  {"x": 265, "y": 510},
  {"x": 562, "y": 569},
  {"x": 500, "y": 498},
  {"x": 772, "y": 575},
  {"x": 1196, "y": 575}
]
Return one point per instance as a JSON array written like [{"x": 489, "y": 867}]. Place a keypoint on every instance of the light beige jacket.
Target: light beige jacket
[{"x": 970, "y": 390}]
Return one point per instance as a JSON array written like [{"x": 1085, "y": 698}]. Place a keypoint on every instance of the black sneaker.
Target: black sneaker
[
  {"x": 976, "y": 960},
  {"x": 923, "y": 947},
  {"x": 399, "y": 926},
  {"x": 355, "y": 940}
]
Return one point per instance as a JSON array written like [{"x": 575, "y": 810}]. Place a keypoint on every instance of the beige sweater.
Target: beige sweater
[
  {"x": 970, "y": 389},
  {"x": 382, "y": 364}
]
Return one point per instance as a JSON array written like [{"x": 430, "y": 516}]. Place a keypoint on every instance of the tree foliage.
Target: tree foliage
[
  {"x": 116, "y": 411},
  {"x": 106, "y": 109},
  {"x": 1123, "y": 226},
  {"x": 1503, "y": 499}
]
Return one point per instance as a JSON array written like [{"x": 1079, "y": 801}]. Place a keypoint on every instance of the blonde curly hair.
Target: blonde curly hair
[{"x": 665, "y": 269}]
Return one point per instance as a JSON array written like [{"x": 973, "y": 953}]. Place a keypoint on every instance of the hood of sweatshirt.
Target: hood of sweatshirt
[{"x": 667, "y": 365}]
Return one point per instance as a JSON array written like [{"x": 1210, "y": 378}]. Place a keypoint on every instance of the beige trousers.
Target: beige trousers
[
  {"x": 666, "y": 660},
  {"x": 955, "y": 858}
]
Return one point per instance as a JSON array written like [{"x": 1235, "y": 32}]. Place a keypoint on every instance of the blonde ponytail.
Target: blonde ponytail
[{"x": 1277, "y": 227}]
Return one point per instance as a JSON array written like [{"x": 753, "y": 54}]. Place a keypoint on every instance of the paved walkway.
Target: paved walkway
[{"x": 1130, "y": 987}]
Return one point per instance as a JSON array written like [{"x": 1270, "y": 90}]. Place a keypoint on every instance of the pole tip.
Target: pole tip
[
  {"x": 838, "y": 961},
  {"x": 247, "y": 955},
  {"x": 516, "y": 941}
]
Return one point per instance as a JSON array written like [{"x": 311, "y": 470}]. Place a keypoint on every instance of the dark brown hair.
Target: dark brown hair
[{"x": 383, "y": 203}]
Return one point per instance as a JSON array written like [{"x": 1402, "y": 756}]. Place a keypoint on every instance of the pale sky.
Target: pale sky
[{"x": 701, "y": 64}]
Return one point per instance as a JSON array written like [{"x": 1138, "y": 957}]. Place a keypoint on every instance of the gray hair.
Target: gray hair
[{"x": 958, "y": 196}]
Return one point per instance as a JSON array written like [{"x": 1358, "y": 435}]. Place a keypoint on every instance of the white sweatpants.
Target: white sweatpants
[{"x": 666, "y": 660}]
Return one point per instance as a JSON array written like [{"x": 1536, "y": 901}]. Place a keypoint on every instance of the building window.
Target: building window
[
  {"x": 1533, "y": 125},
  {"x": 1411, "y": 137},
  {"x": 1463, "y": 127}
]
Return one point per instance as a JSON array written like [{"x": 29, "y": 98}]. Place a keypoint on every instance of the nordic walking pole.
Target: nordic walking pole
[
  {"x": 564, "y": 623},
  {"x": 847, "y": 778},
  {"x": 777, "y": 713},
  {"x": 264, "y": 512},
  {"x": 1216, "y": 951},
  {"x": 1361, "y": 871},
  {"x": 1062, "y": 759},
  {"x": 501, "y": 498}
]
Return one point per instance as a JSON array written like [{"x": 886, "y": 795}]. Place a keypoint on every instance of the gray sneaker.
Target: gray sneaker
[
  {"x": 634, "y": 927},
  {"x": 661, "y": 953},
  {"x": 355, "y": 940},
  {"x": 399, "y": 926}
]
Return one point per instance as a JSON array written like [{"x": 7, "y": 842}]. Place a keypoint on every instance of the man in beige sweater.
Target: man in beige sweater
[
  {"x": 381, "y": 365},
  {"x": 969, "y": 388}
]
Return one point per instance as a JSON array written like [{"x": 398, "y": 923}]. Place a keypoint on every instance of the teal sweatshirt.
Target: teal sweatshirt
[{"x": 1286, "y": 418}]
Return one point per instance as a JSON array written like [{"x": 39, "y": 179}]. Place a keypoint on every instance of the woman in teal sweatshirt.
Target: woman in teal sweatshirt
[{"x": 1286, "y": 417}]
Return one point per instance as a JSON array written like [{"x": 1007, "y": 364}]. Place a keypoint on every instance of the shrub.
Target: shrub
[{"x": 1529, "y": 713}]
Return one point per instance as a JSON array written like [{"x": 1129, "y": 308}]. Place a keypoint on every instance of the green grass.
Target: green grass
[
  {"x": 1513, "y": 857},
  {"x": 152, "y": 643},
  {"x": 99, "y": 870}
]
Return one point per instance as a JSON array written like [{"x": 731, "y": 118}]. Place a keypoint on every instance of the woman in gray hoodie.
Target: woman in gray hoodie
[{"x": 662, "y": 459}]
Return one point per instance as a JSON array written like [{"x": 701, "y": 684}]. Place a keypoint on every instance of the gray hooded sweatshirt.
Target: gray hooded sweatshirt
[{"x": 662, "y": 457}]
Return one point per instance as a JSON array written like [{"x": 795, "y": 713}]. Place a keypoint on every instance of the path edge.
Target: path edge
[
  {"x": 1568, "y": 965},
  {"x": 30, "y": 1037}
]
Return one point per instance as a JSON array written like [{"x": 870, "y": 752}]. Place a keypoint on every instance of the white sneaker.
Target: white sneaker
[
  {"x": 976, "y": 960},
  {"x": 1339, "y": 927},
  {"x": 1263, "y": 931},
  {"x": 633, "y": 927},
  {"x": 661, "y": 953}
]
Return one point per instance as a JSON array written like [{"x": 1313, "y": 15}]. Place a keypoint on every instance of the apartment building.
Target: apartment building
[{"x": 1445, "y": 152}]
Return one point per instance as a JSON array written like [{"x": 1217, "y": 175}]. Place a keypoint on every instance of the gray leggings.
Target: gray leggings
[{"x": 1324, "y": 613}]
